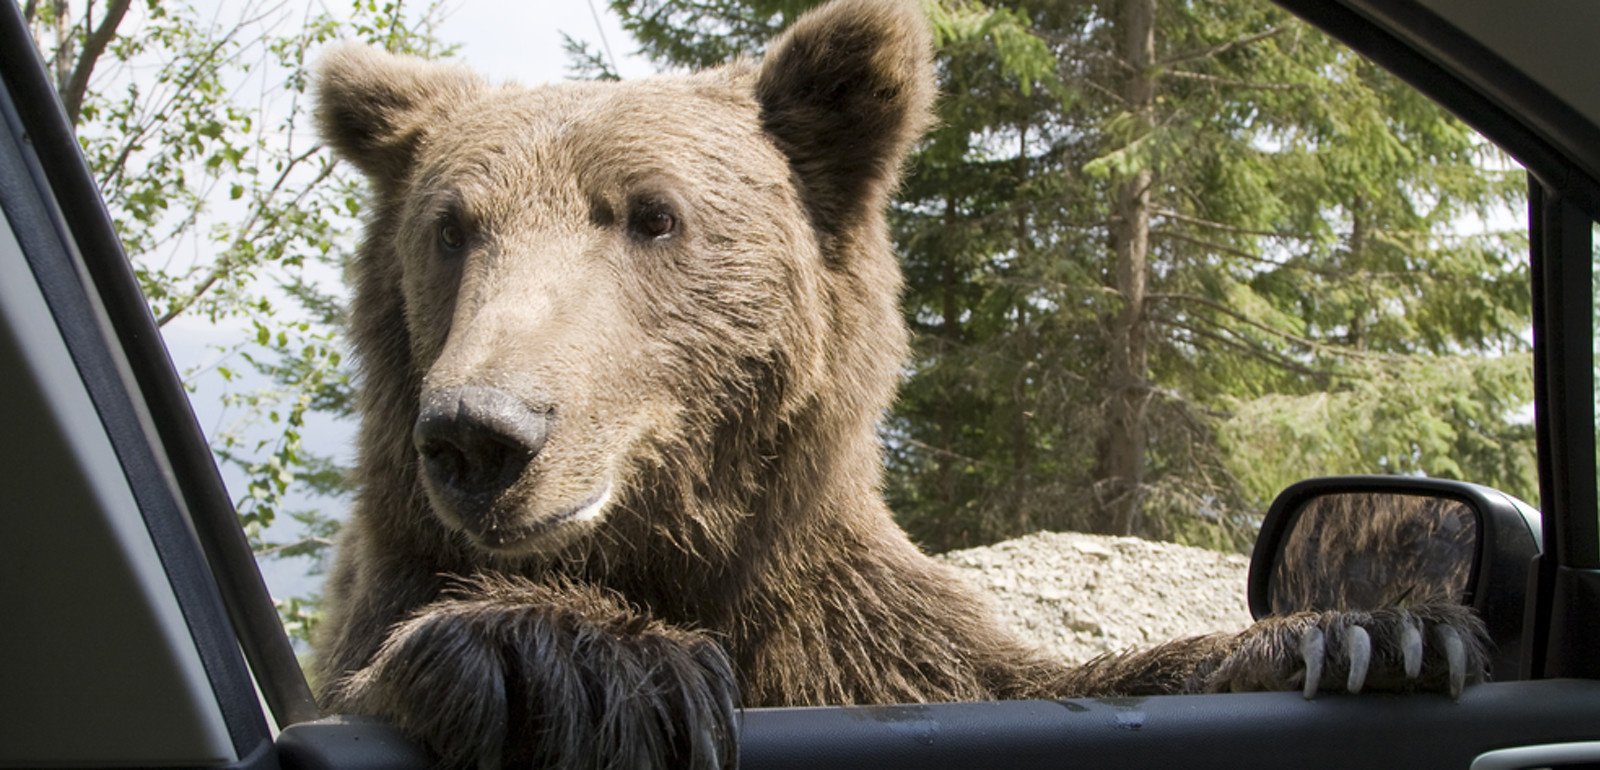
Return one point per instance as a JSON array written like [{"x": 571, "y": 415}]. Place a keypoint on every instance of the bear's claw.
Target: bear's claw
[
  {"x": 1411, "y": 647},
  {"x": 1312, "y": 651},
  {"x": 1360, "y": 652},
  {"x": 1456, "y": 656},
  {"x": 1432, "y": 648}
]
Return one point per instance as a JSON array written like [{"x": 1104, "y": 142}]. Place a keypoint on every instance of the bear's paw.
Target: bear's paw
[
  {"x": 1426, "y": 648},
  {"x": 510, "y": 673}
]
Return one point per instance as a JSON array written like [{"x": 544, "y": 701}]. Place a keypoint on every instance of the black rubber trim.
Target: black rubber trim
[
  {"x": 1239, "y": 730},
  {"x": 1574, "y": 624},
  {"x": 1561, "y": 237},
  {"x": 220, "y": 582},
  {"x": 1543, "y": 133},
  {"x": 348, "y": 743}
]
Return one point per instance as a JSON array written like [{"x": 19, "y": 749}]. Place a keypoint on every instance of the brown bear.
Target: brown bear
[{"x": 623, "y": 349}]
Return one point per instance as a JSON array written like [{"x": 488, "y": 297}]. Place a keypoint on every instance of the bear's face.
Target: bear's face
[
  {"x": 596, "y": 279},
  {"x": 586, "y": 262}
]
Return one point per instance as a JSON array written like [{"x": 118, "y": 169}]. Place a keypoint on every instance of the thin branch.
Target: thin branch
[
  {"x": 180, "y": 91},
  {"x": 941, "y": 451},
  {"x": 93, "y": 46},
  {"x": 1221, "y": 48},
  {"x": 394, "y": 27},
  {"x": 1223, "y": 226},
  {"x": 1279, "y": 333},
  {"x": 1236, "y": 315},
  {"x": 277, "y": 548},
  {"x": 1359, "y": 275},
  {"x": 1104, "y": 91},
  {"x": 1040, "y": 282},
  {"x": 604, "y": 43},
  {"x": 224, "y": 265},
  {"x": 1234, "y": 343},
  {"x": 1219, "y": 247},
  {"x": 1233, "y": 83},
  {"x": 1240, "y": 253}
]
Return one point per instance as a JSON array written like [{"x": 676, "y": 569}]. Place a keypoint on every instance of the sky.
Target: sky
[{"x": 522, "y": 40}]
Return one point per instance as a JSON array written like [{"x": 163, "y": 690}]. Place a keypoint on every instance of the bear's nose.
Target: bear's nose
[{"x": 475, "y": 441}]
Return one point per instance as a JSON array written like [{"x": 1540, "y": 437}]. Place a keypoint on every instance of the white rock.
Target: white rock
[{"x": 1079, "y": 595}]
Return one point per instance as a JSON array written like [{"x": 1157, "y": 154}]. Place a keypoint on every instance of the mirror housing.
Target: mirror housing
[{"x": 1360, "y": 542}]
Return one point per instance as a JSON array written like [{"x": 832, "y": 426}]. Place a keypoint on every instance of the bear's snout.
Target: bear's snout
[{"x": 475, "y": 443}]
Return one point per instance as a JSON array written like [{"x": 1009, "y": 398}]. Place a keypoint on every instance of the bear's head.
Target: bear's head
[{"x": 573, "y": 297}]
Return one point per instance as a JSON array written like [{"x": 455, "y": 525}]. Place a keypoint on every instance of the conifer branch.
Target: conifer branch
[{"x": 1219, "y": 49}]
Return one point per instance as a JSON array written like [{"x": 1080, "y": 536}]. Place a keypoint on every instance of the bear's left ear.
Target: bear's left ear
[
  {"x": 844, "y": 93},
  {"x": 373, "y": 107}
]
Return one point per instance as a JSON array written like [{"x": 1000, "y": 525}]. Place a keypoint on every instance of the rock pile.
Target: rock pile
[{"x": 1080, "y": 595}]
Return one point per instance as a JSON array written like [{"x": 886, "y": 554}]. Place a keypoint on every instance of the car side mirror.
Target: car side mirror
[{"x": 1363, "y": 542}]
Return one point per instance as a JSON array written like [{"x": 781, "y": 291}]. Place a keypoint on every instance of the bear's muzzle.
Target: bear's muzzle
[{"x": 475, "y": 443}]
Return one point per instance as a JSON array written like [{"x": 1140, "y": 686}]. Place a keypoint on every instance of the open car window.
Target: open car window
[{"x": 115, "y": 442}]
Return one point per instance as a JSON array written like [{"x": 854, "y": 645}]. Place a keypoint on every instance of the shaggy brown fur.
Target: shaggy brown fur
[
  {"x": 1360, "y": 551},
  {"x": 624, "y": 348}
]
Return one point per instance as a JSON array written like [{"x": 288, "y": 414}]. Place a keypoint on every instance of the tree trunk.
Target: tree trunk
[
  {"x": 1021, "y": 481},
  {"x": 61, "y": 65},
  {"x": 1357, "y": 262},
  {"x": 948, "y": 471},
  {"x": 1123, "y": 464}
]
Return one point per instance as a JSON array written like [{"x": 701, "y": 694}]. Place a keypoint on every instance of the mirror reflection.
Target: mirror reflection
[{"x": 1354, "y": 551}]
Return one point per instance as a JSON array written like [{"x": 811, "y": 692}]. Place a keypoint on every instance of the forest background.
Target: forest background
[{"x": 1163, "y": 257}]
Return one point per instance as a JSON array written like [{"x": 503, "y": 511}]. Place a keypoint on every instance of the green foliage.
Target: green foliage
[
  {"x": 300, "y": 616},
  {"x": 587, "y": 62},
  {"x": 198, "y": 132},
  {"x": 1444, "y": 417},
  {"x": 704, "y": 33},
  {"x": 1321, "y": 293}
]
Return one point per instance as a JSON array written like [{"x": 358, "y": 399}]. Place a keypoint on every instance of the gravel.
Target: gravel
[{"x": 1078, "y": 595}]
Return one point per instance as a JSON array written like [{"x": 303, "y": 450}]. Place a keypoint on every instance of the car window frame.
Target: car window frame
[
  {"x": 1564, "y": 196},
  {"x": 203, "y": 511}
]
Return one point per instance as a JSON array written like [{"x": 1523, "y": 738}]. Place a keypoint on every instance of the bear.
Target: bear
[{"x": 623, "y": 349}]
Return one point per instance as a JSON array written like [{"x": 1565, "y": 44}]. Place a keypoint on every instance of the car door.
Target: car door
[{"x": 136, "y": 630}]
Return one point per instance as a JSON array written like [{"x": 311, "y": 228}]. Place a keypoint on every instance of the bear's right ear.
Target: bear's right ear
[
  {"x": 845, "y": 92},
  {"x": 373, "y": 106}
]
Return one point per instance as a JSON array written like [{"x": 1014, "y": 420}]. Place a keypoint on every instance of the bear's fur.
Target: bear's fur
[{"x": 671, "y": 306}]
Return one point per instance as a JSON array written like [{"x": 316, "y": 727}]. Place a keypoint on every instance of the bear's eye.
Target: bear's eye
[
  {"x": 652, "y": 221},
  {"x": 451, "y": 236}
]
